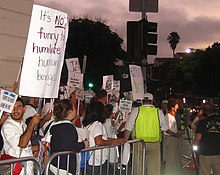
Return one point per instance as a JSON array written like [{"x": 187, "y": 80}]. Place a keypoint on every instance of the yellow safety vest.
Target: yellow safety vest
[{"x": 147, "y": 124}]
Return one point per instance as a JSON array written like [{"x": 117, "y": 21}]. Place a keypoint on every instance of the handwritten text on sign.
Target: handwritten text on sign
[
  {"x": 137, "y": 81},
  {"x": 44, "y": 53}
]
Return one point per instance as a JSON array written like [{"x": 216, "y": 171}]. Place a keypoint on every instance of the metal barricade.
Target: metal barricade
[
  {"x": 9, "y": 164},
  {"x": 112, "y": 166}
]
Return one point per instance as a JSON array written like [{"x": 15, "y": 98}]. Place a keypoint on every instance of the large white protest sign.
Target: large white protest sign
[
  {"x": 108, "y": 83},
  {"x": 44, "y": 54},
  {"x": 137, "y": 82},
  {"x": 7, "y": 100},
  {"x": 73, "y": 65},
  {"x": 75, "y": 80}
]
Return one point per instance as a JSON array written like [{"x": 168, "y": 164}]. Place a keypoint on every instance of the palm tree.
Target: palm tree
[{"x": 173, "y": 39}]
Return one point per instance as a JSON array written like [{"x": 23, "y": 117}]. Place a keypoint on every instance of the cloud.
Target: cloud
[{"x": 197, "y": 21}]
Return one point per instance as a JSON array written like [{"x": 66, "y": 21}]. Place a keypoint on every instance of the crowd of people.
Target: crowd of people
[{"x": 71, "y": 124}]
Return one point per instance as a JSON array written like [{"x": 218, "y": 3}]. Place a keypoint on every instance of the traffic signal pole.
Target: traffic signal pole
[{"x": 143, "y": 58}]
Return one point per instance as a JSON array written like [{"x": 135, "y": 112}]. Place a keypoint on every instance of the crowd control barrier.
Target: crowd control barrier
[
  {"x": 119, "y": 162},
  {"x": 7, "y": 166}
]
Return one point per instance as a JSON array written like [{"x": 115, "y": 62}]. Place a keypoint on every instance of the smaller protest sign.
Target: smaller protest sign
[
  {"x": 75, "y": 80},
  {"x": 73, "y": 65},
  {"x": 7, "y": 100},
  {"x": 108, "y": 83},
  {"x": 125, "y": 105}
]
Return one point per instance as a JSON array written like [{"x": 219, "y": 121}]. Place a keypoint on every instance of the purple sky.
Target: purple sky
[{"x": 197, "y": 21}]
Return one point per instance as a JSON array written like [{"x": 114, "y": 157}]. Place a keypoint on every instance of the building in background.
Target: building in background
[{"x": 14, "y": 19}]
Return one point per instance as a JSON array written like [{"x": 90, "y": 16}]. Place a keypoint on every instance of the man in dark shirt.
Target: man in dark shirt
[{"x": 208, "y": 139}]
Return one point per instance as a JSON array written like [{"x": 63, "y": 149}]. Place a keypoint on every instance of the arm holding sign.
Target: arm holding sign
[{"x": 26, "y": 136}]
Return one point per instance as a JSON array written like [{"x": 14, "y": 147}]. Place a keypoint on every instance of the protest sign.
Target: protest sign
[
  {"x": 73, "y": 65},
  {"x": 88, "y": 95},
  {"x": 108, "y": 83},
  {"x": 125, "y": 105},
  {"x": 7, "y": 100},
  {"x": 75, "y": 80},
  {"x": 44, "y": 53},
  {"x": 137, "y": 82}
]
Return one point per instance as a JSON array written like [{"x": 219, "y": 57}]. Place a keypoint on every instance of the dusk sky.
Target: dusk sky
[{"x": 197, "y": 21}]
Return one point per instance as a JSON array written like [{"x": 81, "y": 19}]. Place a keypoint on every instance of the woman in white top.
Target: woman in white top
[{"x": 93, "y": 121}]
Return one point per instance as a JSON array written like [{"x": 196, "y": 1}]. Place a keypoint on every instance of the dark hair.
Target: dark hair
[
  {"x": 21, "y": 100},
  {"x": 101, "y": 94},
  {"x": 108, "y": 111},
  {"x": 61, "y": 111},
  {"x": 171, "y": 104},
  {"x": 94, "y": 112}
]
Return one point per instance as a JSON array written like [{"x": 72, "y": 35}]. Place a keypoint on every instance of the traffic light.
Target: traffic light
[
  {"x": 151, "y": 38},
  {"x": 141, "y": 39},
  {"x": 91, "y": 85}
]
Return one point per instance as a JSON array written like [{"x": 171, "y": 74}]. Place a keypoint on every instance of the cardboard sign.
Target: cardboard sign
[
  {"x": 44, "y": 54},
  {"x": 7, "y": 100},
  {"x": 108, "y": 83},
  {"x": 73, "y": 65},
  {"x": 137, "y": 82},
  {"x": 125, "y": 105},
  {"x": 75, "y": 80}
]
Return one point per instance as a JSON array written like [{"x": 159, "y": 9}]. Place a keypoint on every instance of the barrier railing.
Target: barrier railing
[
  {"x": 10, "y": 163},
  {"x": 120, "y": 161},
  {"x": 110, "y": 167}
]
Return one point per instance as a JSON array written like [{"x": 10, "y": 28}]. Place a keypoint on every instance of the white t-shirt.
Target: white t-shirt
[
  {"x": 97, "y": 129},
  {"x": 134, "y": 113},
  {"x": 11, "y": 132},
  {"x": 172, "y": 122}
]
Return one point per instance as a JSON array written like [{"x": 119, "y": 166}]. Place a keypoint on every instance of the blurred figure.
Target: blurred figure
[
  {"x": 102, "y": 96},
  {"x": 164, "y": 106},
  {"x": 207, "y": 139},
  {"x": 75, "y": 101}
]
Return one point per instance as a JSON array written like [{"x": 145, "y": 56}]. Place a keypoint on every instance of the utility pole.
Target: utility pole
[{"x": 143, "y": 58}]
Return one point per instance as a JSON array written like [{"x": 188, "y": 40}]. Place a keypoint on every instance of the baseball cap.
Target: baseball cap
[{"x": 148, "y": 96}]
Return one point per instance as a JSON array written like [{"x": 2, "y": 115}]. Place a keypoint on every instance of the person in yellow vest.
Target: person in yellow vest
[{"x": 147, "y": 122}]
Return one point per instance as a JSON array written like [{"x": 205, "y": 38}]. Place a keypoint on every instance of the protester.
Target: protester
[
  {"x": 110, "y": 129},
  {"x": 93, "y": 121},
  {"x": 75, "y": 101},
  {"x": 164, "y": 107},
  {"x": 171, "y": 151},
  {"x": 147, "y": 122},
  {"x": 17, "y": 135},
  {"x": 207, "y": 138},
  {"x": 102, "y": 96},
  {"x": 65, "y": 137}
]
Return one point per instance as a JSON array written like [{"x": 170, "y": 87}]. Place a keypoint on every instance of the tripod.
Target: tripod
[{"x": 192, "y": 157}]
